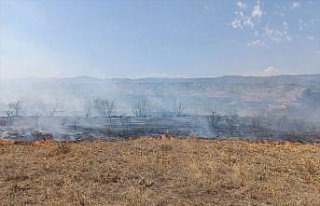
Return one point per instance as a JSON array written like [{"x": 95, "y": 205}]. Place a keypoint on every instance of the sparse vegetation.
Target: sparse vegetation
[
  {"x": 178, "y": 109},
  {"x": 55, "y": 108},
  {"x": 166, "y": 171},
  {"x": 87, "y": 108},
  {"x": 139, "y": 109},
  {"x": 14, "y": 109},
  {"x": 104, "y": 107}
]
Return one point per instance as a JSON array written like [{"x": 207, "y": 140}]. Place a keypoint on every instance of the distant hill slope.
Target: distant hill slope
[{"x": 245, "y": 95}]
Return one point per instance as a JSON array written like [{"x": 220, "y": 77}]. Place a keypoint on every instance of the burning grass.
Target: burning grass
[{"x": 165, "y": 171}]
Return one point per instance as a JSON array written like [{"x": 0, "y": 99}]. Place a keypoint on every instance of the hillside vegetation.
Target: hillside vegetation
[{"x": 148, "y": 171}]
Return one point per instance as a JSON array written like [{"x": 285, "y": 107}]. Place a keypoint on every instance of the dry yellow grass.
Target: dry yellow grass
[{"x": 150, "y": 171}]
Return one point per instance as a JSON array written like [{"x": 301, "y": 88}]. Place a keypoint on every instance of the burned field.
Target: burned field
[
  {"x": 80, "y": 128},
  {"x": 120, "y": 160},
  {"x": 99, "y": 156},
  {"x": 214, "y": 126},
  {"x": 280, "y": 108},
  {"x": 153, "y": 171}
]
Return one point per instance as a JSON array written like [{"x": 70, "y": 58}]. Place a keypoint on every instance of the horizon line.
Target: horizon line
[{"x": 155, "y": 77}]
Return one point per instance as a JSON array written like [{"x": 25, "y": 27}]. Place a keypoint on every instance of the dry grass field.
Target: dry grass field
[{"x": 150, "y": 171}]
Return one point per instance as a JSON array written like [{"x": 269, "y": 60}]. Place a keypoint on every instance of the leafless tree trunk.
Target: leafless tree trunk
[
  {"x": 178, "y": 109},
  {"x": 14, "y": 109},
  {"x": 87, "y": 108},
  {"x": 124, "y": 119},
  {"x": 37, "y": 118},
  {"x": 56, "y": 107},
  {"x": 75, "y": 122},
  {"x": 233, "y": 122},
  {"x": 140, "y": 108},
  {"x": 214, "y": 119},
  {"x": 281, "y": 123},
  {"x": 104, "y": 107},
  {"x": 256, "y": 125}
]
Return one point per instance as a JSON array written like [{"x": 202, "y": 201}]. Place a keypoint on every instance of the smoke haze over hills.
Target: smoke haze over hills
[{"x": 229, "y": 94}]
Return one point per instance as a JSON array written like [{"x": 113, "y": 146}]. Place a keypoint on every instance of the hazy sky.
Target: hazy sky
[{"x": 134, "y": 39}]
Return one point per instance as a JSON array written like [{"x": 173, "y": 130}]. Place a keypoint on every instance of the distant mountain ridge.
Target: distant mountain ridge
[
  {"x": 286, "y": 76},
  {"x": 242, "y": 94}
]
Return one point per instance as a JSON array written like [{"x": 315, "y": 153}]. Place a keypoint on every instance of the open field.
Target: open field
[{"x": 148, "y": 171}]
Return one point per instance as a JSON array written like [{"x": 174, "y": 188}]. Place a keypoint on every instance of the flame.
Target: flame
[
  {"x": 7, "y": 141},
  {"x": 36, "y": 143},
  {"x": 39, "y": 143},
  {"x": 46, "y": 142}
]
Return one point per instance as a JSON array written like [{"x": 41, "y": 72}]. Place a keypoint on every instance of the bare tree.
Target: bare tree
[
  {"x": 178, "y": 109},
  {"x": 110, "y": 109},
  {"x": 37, "y": 116},
  {"x": 104, "y": 107},
  {"x": 87, "y": 108},
  {"x": 124, "y": 119},
  {"x": 281, "y": 123},
  {"x": 140, "y": 108},
  {"x": 3, "y": 122},
  {"x": 256, "y": 122},
  {"x": 14, "y": 109},
  {"x": 214, "y": 120},
  {"x": 75, "y": 122},
  {"x": 55, "y": 108},
  {"x": 256, "y": 126},
  {"x": 233, "y": 122}
]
